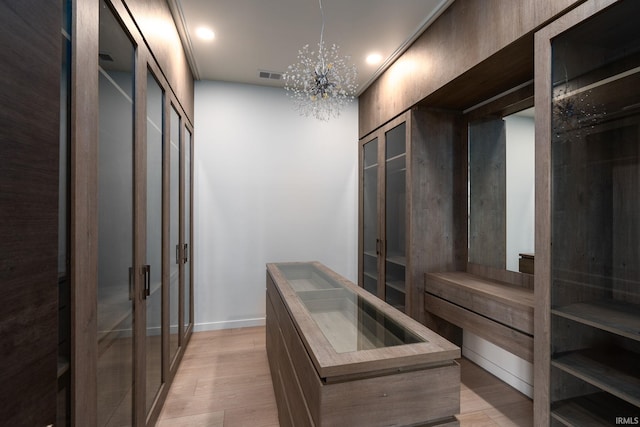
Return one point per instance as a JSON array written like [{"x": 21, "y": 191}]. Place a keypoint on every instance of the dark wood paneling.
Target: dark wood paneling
[
  {"x": 481, "y": 47},
  {"x": 30, "y": 52}
]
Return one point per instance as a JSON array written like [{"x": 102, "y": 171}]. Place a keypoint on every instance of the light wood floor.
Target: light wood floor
[{"x": 224, "y": 381}]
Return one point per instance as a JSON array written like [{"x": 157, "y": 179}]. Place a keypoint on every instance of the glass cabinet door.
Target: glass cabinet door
[
  {"x": 395, "y": 208},
  {"x": 595, "y": 233},
  {"x": 188, "y": 180},
  {"x": 174, "y": 234},
  {"x": 370, "y": 237},
  {"x": 115, "y": 223},
  {"x": 153, "y": 287}
]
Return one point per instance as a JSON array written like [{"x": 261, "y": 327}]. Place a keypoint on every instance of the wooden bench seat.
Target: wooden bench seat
[{"x": 499, "y": 312}]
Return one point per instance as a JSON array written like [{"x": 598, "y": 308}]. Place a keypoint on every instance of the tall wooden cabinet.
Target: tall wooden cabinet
[
  {"x": 129, "y": 225},
  {"x": 407, "y": 210},
  {"x": 588, "y": 230}
]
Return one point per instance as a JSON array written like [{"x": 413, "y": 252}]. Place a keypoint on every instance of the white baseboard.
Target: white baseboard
[
  {"x": 511, "y": 369},
  {"x": 229, "y": 324}
]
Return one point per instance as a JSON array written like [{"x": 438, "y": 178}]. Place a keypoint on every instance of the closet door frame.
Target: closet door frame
[
  {"x": 187, "y": 318},
  {"x": 145, "y": 67},
  {"x": 83, "y": 226},
  {"x": 381, "y": 135}
]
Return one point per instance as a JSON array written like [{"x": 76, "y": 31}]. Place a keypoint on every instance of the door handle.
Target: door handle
[
  {"x": 130, "y": 283},
  {"x": 147, "y": 281}
]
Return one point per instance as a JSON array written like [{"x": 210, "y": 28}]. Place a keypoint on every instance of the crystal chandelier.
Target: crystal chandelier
[{"x": 321, "y": 84}]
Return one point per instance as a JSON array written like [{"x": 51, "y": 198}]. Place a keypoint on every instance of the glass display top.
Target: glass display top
[{"x": 348, "y": 321}]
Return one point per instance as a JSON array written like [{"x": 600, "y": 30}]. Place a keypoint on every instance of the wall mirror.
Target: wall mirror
[{"x": 501, "y": 190}]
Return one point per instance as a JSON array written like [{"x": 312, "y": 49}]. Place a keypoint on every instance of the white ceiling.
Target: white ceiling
[{"x": 265, "y": 35}]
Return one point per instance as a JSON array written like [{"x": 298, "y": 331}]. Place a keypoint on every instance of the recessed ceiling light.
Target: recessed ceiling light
[
  {"x": 205, "y": 33},
  {"x": 374, "y": 58}
]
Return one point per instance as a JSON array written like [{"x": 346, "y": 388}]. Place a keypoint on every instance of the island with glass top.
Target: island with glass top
[{"x": 341, "y": 357}]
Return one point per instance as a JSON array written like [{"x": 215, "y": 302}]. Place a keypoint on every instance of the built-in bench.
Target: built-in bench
[{"x": 497, "y": 311}]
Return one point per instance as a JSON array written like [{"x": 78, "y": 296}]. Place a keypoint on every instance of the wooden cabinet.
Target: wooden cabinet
[
  {"x": 588, "y": 280},
  {"x": 407, "y": 211},
  {"x": 129, "y": 211},
  {"x": 339, "y": 356}
]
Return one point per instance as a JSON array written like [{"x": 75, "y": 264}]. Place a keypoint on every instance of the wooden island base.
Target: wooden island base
[{"x": 320, "y": 381}]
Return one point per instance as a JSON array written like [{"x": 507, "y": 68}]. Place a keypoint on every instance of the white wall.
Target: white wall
[
  {"x": 270, "y": 186},
  {"x": 520, "y": 187},
  {"x": 511, "y": 369}
]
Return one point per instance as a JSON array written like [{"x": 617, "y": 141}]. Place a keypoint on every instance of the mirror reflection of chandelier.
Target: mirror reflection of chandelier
[{"x": 321, "y": 83}]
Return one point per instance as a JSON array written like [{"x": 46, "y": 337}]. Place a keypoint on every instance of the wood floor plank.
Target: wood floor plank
[
  {"x": 209, "y": 419},
  {"x": 512, "y": 415},
  {"x": 487, "y": 397},
  {"x": 256, "y": 416},
  {"x": 476, "y": 419},
  {"x": 224, "y": 381}
]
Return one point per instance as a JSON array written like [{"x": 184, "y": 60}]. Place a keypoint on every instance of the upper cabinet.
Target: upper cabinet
[
  {"x": 407, "y": 187},
  {"x": 588, "y": 283}
]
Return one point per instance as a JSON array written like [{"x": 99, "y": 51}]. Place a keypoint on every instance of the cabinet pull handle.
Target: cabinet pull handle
[
  {"x": 147, "y": 281},
  {"x": 186, "y": 253},
  {"x": 178, "y": 254},
  {"x": 377, "y": 246},
  {"x": 130, "y": 283}
]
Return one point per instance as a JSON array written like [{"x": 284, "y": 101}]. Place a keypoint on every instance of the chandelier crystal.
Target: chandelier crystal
[{"x": 321, "y": 83}]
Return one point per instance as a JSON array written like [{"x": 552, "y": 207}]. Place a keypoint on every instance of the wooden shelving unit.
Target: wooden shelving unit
[
  {"x": 620, "y": 378},
  {"x": 588, "y": 280},
  {"x": 591, "y": 410},
  {"x": 618, "y": 317}
]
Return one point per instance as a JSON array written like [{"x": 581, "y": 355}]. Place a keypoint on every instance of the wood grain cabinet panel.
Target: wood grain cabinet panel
[{"x": 502, "y": 302}]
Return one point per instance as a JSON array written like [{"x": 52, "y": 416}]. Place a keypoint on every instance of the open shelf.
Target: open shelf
[
  {"x": 371, "y": 254},
  {"x": 620, "y": 378},
  {"x": 396, "y": 285},
  {"x": 397, "y": 259},
  {"x": 613, "y": 316},
  {"x": 600, "y": 409}
]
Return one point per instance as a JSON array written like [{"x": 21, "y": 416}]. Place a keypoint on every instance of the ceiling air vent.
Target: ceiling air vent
[{"x": 272, "y": 75}]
